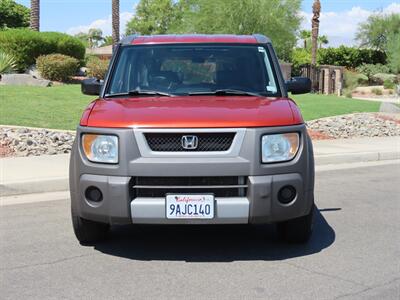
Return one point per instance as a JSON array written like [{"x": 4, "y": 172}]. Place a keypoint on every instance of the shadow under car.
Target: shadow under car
[{"x": 212, "y": 243}]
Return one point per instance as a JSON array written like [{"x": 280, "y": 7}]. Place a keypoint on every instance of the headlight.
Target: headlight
[
  {"x": 100, "y": 148},
  {"x": 279, "y": 147}
]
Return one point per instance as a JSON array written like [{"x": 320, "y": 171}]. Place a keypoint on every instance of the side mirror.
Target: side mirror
[
  {"x": 91, "y": 86},
  {"x": 299, "y": 85}
]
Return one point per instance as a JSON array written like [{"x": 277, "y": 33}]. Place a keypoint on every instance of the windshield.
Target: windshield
[{"x": 193, "y": 70}]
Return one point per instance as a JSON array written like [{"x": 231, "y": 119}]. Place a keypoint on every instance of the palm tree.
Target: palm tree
[
  {"x": 95, "y": 36},
  {"x": 323, "y": 40},
  {"x": 115, "y": 21},
  {"x": 305, "y": 35},
  {"x": 35, "y": 15},
  {"x": 314, "y": 32}
]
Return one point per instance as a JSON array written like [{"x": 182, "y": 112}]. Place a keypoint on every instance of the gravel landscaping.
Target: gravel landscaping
[
  {"x": 18, "y": 141},
  {"x": 356, "y": 125}
]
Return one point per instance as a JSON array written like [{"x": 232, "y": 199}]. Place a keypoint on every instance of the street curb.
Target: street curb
[
  {"x": 329, "y": 159},
  {"x": 57, "y": 184},
  {"x": 37, "y": 128}
]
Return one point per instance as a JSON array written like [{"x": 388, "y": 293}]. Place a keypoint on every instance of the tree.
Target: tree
[
  {"x": 375, "y": 31},
  {"x": 314, "y": 31},
  {"x": 153, "y": 17},
  {"x": 35, "y": 15},
  {"x": 305, "y": 35},
  {"x": 84, "y": 38},
  {"x": 95, "y": 36},
  {"x": 115, "y": 21},
  {"x": 382, "y": 32},
  {"x": 107, "y": 40},
  {"x": 13, "y": 15},
  {"x": 277, "y": 19},
  {"x": 322, "y": 40}
]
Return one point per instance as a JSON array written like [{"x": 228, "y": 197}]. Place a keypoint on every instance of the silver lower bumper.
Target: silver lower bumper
[
  {"x": 227, "y": 211},
  {"x": 260, "y": 205}
]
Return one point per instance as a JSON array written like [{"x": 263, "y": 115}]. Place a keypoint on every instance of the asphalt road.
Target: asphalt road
[{"x": 353, "y": 254}]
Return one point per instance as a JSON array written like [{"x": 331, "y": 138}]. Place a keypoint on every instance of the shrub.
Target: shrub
[
  {"x": 354, "y": 79},
  {"x": 370, "y": 70},
  {"x": 57, "y": 66},
  {"x": 380, "y": 78},
  {"x": 376, "y": 91},
  {"x": 7, "y": 63},
  {"x": 389, "y": 84},
  {"x": 351, "y": 81},
  {"x": 300, "y": 57},
  {"x": 26, "y": 45},
  {"x": 348, "y": 94},
  {"x": 97, "y": 67},
  {"x": 66, "y": 44}
]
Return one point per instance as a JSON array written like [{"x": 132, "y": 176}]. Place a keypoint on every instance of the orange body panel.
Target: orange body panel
[{"x": 192, "y": 112}]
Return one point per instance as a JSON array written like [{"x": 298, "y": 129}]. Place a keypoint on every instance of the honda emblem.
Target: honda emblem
[{"x": 189, "y": 142}]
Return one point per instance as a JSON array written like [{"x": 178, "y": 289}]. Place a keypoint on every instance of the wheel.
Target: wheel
[
  {"x": 297, "y": 230},
  {"x": 87, "y": 231}
]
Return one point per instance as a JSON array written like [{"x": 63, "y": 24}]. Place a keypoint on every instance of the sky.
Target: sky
[{"x": 339, "y": 18}]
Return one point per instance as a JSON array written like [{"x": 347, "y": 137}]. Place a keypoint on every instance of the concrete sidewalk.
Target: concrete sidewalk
[
  {"x": 35, "y": 174},
  {"x": 356, "y": 150},
  {"x": 39, "y": 174}
]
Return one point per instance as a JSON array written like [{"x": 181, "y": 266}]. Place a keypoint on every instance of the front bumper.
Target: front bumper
[{"x": 259, "y": 205}]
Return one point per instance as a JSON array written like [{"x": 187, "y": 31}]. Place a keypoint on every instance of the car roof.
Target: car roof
[{"x": 195, "y": 38}]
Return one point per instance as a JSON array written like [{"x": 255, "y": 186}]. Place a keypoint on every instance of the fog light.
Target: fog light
[
  {"x": 92, "y": 193},
  {"x": 286, "y": 194}
]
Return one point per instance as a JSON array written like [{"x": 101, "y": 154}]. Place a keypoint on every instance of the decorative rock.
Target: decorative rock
[
  {"x": 82, "y": 71},
  {"x": 355, "y": 125},
  {"x": 33, "y": 142},
  {"x": 32, "y": 70},
  {"x": 23, "y": 79}
]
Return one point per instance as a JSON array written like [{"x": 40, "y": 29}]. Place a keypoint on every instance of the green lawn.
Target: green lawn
[
  {"x": 314, "y": 106},
  {"x": 58, "y": 107},
  {"x": 61, "y": 107}
]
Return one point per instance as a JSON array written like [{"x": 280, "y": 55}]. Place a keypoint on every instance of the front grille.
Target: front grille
[
  {"x": 226, "y": 186},
  {"x": 207, "y": 141}
]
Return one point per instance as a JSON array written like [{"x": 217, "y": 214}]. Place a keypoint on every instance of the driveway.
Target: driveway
[{"x": 353, "y": 254}]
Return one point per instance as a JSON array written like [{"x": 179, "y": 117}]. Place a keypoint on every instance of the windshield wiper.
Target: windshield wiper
[
  {"x": 139, "y": 92},
  {"x": 224, "y": 92}
]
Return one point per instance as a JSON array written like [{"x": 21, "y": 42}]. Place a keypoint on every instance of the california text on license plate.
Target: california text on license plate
[{"x": 190, "y": 206}]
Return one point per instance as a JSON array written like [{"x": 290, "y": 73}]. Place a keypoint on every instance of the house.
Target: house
[{"x": 104, "y": 52}]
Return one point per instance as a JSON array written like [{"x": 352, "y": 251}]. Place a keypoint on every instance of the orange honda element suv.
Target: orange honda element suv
[{"x": 193, "y": 129}]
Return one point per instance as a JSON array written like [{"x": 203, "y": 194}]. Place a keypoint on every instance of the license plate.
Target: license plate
[{"x": 190, "y": 206}]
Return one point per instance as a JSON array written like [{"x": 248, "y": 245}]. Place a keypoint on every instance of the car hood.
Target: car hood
[{"x": 191, "y": 112}]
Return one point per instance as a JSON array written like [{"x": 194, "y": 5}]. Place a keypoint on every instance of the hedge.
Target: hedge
[
  {"x": 349, "y": 57},
  {"x": 26, "y": 45},
  {"x": 57, "y": 66}
]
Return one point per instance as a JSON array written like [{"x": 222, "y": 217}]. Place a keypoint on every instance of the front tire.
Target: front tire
[
  {"x": 87, "y": 231},
  {"x": 297, "y": 230}
]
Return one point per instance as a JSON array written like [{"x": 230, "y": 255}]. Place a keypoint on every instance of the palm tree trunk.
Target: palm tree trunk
[
  {"x": 35, "y": 15},
  {"x": 314, "y": 33},
  {"x": 115, "y": 21}
]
